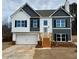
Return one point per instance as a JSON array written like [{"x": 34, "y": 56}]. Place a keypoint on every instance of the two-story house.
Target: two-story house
[{"x": 30, "y": 26}]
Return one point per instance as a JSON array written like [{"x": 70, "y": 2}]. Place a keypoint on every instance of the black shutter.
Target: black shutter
[
  {"x": 55, "y": 37},
  {"x": 54, "y": 23},
  {"x": 66, "y": 22},
  {"x": 31, "y": 23},
  {"x": 25, "y": 23},
  {"x": 38, "y": 23},
  {"x": 15, "y": 23},
  {"x": 66, "y": 37}
]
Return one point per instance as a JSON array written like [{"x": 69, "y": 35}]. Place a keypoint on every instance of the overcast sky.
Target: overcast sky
[{"x": 9, "y": 6}]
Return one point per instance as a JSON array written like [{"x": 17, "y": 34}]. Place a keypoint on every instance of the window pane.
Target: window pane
[
  {"x": 45, "y": 22},
  {"x": 63, "y": 38},
  {"x": 23, "y": 23},
  {"x": 57, "y": 23},
  {"x": 58, "y": 35},
  {"x": 58, "y": 39},
  {"x": 17, "y": 23},
  {"x": 35, "y": 23},
  {"x": 62, "y": 23},
  {"x": 63, "y": 35}
]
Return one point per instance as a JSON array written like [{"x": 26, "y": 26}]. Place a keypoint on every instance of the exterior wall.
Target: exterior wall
[
  {"x": 21, "y": 15},
  {"x": 14, "y": 37},
  {"x": 67, "y": 21},
  {"x": 67, "y": 31},
  {"x": 49, "y": 24}
]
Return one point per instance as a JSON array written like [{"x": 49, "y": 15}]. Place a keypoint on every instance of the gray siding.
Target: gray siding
[
  {"x": 66, "y": 31},
  {"x": 31, "y": 24},
  {"x": 60, "y": 12},
  {"x": 67, "y": 21}
]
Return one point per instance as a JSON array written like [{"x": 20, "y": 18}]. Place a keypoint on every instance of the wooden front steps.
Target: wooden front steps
[{"x": 46, "y": 40}]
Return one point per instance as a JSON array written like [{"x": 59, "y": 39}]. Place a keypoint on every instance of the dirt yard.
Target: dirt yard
[
  {"x": 56, "y": 53},
  {"x": 6, "y": 45}
]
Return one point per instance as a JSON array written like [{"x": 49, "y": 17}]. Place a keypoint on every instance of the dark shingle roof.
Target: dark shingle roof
[
  {"x": 45, "y": 13},
  {"x": 30, "y": 11}
]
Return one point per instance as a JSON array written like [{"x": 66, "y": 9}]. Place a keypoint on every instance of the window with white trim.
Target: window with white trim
[
  {"x": 20, "y": 23},
  {"x": 60, "y": 37},
  {"x": 35, "y": 24},
  {"x": 45, "y": 22},
  {"x": 60, "y": 23}
]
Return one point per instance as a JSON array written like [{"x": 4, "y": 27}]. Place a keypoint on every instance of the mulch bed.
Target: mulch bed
[
  {"x": 57, "y": 44},
  {"x": 63, "y": 44}
]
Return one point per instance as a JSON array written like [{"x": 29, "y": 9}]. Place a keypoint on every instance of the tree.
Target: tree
[
  {"x": 6, "y": 33},
  {"x": 73, "y": 12}
]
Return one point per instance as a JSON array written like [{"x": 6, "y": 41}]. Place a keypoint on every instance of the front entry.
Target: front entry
[{"x": 46, "y": 40}]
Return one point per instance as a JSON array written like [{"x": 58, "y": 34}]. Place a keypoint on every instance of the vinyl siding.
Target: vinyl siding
[
  {"x": 60, "y": 12},
  {"x": 66, "y": 31},
  {"x": 49, "y": 25},
  {"x": 21, "y": 15}
]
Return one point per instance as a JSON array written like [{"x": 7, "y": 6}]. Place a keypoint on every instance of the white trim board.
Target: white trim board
[
  {"x": 61, "y": 28},
  {"x": 60, "y": 16}
]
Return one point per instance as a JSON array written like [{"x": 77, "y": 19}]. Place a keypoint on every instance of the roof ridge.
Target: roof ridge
[{"x": 48, "y": 9}]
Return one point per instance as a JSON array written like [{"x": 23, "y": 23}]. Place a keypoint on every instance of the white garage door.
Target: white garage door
[{"x": 26, "y": 38}]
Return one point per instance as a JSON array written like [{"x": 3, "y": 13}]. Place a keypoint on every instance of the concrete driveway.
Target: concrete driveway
[{"x": 19, "y": 52}]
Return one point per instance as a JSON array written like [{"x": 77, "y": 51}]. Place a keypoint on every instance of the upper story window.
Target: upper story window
[
  {"x": 45, "y": 22},
  {"x": 35, "y": 23},
  {"x": 20, "y": 23},
  {"x": 60, "y": 23}
]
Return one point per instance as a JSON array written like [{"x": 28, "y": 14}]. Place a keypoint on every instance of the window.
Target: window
[
  {"x": 60, "y": 23},
  {"x": 60, "y": 37},
  {"x": 35, "y": 23},
  {"x": 45, "y": 22},
  {"x": 19, "y": 23}
]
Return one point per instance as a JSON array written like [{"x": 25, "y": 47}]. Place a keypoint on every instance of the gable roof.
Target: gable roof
[
  {"x": 38, "y": 13},
  {"x": 22, "y": 8},
  {"x": 62, "y": 10},
  {"x": 30, "y": 11},
  {"x": 45, "y": 13}
]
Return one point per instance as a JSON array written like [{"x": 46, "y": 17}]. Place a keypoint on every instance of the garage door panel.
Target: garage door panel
[{"x": 26, "y": 39}]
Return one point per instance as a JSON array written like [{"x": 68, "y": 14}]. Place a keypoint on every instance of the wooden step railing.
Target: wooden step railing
[{"x": 46, "y": 36}]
